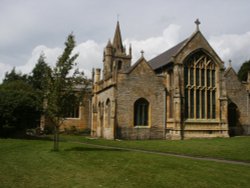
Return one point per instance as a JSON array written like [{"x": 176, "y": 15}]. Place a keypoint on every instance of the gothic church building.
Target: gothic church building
[
  {"x": 179, "y": 94},
  {"x": 185, "y": 92}
]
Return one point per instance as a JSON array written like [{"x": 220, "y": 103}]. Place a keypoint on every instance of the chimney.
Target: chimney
[{"x": 97, "y": 75}]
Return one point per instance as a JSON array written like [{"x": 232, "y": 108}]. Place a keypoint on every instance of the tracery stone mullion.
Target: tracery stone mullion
[
  {"x": 194, "y": 89},
  {"x": 214, "y": 104},
  {"x": 208, "y": 77},
  {"x": 208, "y": 104},
  {"x": 211, "y": 79},
  {"x": 203, "y": 103},
  {"x": 189, "y": 75},
  {"x": 200, "y": 83},
  {"x": 200, "y": 104},
  {"x": 211, "y": 105},
  {"x": 192, "y": 103},
  {"x": 205, "y": 77}
]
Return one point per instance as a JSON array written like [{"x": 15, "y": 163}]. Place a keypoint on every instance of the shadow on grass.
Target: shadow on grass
[
  {"x": 27, "y": 137},
  {"x": 84, "y": 149}
]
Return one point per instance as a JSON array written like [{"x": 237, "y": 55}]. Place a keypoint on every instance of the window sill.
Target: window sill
[
  {"x": 71, "y": 118},
  {"x": 141, "y": 126},
  {"x": 201, "y": 121}
]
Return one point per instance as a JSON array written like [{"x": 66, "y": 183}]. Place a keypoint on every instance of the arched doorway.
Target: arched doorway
[{"x": 233, "y": 120}]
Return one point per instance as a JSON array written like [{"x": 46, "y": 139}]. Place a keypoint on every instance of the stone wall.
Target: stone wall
[
  {"x": 181, "y": 128},
  {"x": 140, "y": 82},
  {"x": 131, "y": 133},
  {"x": 103, "y": 129},
  {"x": 237, "y": 94},
  {"x": 81, "y": 123}
]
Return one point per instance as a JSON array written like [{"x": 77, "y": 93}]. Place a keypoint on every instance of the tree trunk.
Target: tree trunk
[{"x": 56, "y": 138}]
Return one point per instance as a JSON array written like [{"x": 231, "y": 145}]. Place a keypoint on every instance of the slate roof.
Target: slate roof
[{"x": 165, "y": 57}]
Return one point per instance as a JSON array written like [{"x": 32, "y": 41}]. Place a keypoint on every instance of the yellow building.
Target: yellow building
[
  {"x": 179, "y": 94},
  {"x": 184, "y": 92}
]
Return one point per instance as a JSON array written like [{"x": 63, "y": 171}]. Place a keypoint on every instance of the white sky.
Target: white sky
[{"x": 28, "y": 27}]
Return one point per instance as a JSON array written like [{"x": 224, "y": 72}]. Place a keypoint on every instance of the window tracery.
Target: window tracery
[{"x": 200, "y": 87}]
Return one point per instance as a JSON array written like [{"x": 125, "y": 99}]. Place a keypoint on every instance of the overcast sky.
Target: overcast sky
[{"x": 30, "y": 27}]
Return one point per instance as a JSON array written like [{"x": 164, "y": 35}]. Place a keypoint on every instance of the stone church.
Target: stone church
[{"x": 185, "y": 92}]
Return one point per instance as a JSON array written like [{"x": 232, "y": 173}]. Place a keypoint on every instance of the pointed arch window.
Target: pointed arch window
[
  {"x": 108, "y": 113},
  {"x": 200, "y": 87},
  {"x": 141, "y": 109}
]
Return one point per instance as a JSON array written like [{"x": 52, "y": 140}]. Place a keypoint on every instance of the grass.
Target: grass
[
  {"x": 31, "y": 163},
  {"x": 234, "y": 148}
]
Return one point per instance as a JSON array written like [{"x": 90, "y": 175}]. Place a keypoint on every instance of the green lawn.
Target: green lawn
[
  {"x": 28, "y": 163},
  {"x": 234, "y": 148}
]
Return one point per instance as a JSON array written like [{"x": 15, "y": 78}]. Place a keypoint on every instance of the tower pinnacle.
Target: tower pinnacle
[{"x": 117, "y": 41}]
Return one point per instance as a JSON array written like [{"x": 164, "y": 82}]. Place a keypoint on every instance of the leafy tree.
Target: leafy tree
[
  {"x": 243, "y": 72},
  {"x": 19, "y": 106},
  {"x": 38, "y": 78},
  {"x": 39, "y": 74},
  {"x": 13, "y": 76},
  {"x": 62, "y": 84}
]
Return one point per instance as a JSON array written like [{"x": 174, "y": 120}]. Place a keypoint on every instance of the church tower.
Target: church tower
[{"x": 114, "y": 56}]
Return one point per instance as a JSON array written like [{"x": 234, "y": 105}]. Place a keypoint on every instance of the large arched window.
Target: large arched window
[
  {"x": 200, "y": 87},
  {"x": 141, "y": 108}
]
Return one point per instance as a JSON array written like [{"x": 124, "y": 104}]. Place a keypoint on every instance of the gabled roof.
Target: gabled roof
[
  {"x": 136, "y": 64},
  {"x": 166, "y": 56},
  {"x": 230, "y": 68}
]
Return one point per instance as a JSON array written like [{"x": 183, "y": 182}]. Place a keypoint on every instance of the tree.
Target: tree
[
  {"x": 243, "y": 72},
  {"x": 13, "y": 76},
  {"x": 60, "y": 85},
  {"x": 38, "y": 75},
  {"x": 19, "y": 106},
  {"x": 38, "y": 78}
]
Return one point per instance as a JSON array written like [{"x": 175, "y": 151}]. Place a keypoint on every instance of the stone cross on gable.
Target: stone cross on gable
[
  {"x": 230, "y": 62},
  {"x": 197, "y": 22},
  {"x": 142, "y": 53}
]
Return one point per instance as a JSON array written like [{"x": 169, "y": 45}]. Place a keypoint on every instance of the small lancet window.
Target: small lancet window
[{"x": 119, "y": 65}]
